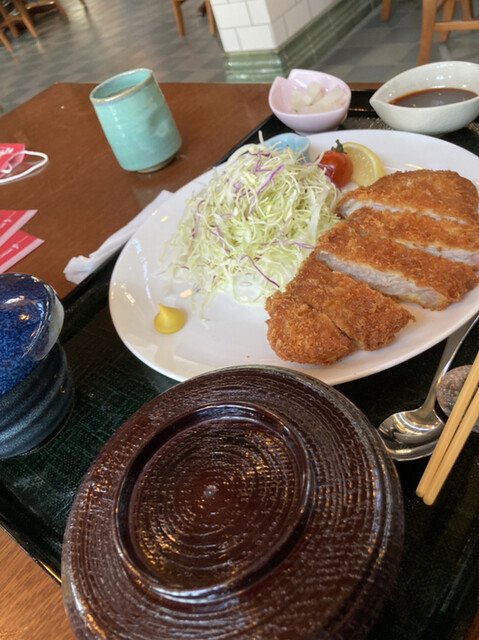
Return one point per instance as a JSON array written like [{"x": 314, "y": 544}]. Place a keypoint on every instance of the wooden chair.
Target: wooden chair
[
  {"x": 176, "y": 4},
  {"x": 31, "y": 5},
  {"x": 430, "y": 24},
  {"x": 4, "y": 40},
  {"x": 385, "y": 9},
  {"x": 54, "y": 5},
  {"x": 11, "y": 20}
]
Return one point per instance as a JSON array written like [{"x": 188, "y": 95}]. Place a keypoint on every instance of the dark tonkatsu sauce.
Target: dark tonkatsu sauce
[{"x": 434, "y": 97}]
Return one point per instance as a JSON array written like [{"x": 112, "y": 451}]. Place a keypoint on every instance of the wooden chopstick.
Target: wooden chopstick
[
  {"x": 455, "y": 433},
  {"x": 453, "y": 451}
]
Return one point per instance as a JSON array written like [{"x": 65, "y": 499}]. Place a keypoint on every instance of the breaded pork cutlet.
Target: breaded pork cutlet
[
  {"x": 367, "y": 317},
  {"x": 407, "y": 274},
  {"x": 440, "y": 194},
  {"x": 299, "y": 333},
  {"x": 446, "y": 238}
]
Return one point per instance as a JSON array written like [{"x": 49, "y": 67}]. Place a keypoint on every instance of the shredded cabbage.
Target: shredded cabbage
[{"x": 248, "y": 230}]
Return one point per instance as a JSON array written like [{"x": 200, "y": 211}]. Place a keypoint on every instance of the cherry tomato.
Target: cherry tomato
[{"x": 337, "y": 165}]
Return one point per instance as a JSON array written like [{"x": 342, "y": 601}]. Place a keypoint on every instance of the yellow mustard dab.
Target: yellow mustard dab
[{"x": 169, "y": 319}]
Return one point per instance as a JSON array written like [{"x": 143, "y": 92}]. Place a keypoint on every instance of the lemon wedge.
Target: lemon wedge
[
  {"x": 367, "y": 167},
  {"x": 169, "y": 319}
]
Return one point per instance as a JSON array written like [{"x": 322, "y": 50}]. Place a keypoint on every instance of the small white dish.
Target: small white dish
[
  {"x": 282, "y": 90},
  {"x": 434, "y": 120}
]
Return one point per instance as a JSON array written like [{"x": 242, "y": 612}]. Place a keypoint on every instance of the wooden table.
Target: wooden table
[{"x": 82, "y": 196}]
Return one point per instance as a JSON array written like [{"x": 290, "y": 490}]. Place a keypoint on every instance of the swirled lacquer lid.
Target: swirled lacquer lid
[{"x": 250, "y": 502}]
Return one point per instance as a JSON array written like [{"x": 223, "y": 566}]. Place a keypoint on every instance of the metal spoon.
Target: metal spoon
[{"x": 409, "y": 435}]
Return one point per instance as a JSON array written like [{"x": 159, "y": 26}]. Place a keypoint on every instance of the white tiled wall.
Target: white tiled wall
[{"x": 257, "y": 25}]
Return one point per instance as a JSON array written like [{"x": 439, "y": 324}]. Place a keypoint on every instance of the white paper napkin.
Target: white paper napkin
[{"x": 80, "y": 267}]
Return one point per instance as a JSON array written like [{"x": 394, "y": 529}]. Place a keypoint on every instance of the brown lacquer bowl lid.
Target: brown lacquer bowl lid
[{"x": 251, "y": 502}]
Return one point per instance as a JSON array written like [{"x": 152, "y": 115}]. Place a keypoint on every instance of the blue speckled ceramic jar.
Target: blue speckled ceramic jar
[{"x": 36, "y": 391}]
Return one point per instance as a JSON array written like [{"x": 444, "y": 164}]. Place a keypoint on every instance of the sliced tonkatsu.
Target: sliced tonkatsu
[
  {"x": 439, "y": 194},
  {"x": 299, "y": 333},
  {"x": 407, "y": 274},
  {"x": 367, "y": 317},
  {"x": 446, "y": 238},
  {"x": 410, "y": 237}
]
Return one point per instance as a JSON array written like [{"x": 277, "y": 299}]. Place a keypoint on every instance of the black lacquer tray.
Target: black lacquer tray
[{"x": 436, "y": 593}]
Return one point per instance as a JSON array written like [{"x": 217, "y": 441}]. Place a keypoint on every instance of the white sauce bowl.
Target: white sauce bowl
[{"x": 429, "y": 120}]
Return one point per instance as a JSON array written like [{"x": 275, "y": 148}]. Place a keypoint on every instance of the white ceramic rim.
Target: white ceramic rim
[
  {"x": 389, "y": 87},
  {"x": 148, "y": 74}
]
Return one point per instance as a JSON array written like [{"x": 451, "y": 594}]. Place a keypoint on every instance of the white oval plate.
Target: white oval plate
[{"x": 233, "y": 334}]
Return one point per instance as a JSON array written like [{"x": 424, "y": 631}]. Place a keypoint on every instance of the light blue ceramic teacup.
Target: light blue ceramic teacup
[{"x": 136, "y": 120}]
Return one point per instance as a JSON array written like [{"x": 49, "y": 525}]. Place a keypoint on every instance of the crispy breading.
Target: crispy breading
[
  {"x": 367, "y": 317},
  {"x": 386, "y": 265},
  {"x": 440, "y": 194},
  {"x": 411, "y": 236},
  {"x": 299, "y": 333},
  {"x": 447, "y": 238}
]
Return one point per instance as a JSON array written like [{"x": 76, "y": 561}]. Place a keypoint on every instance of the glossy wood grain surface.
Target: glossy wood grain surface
[{"x": 83, "y": 196}]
